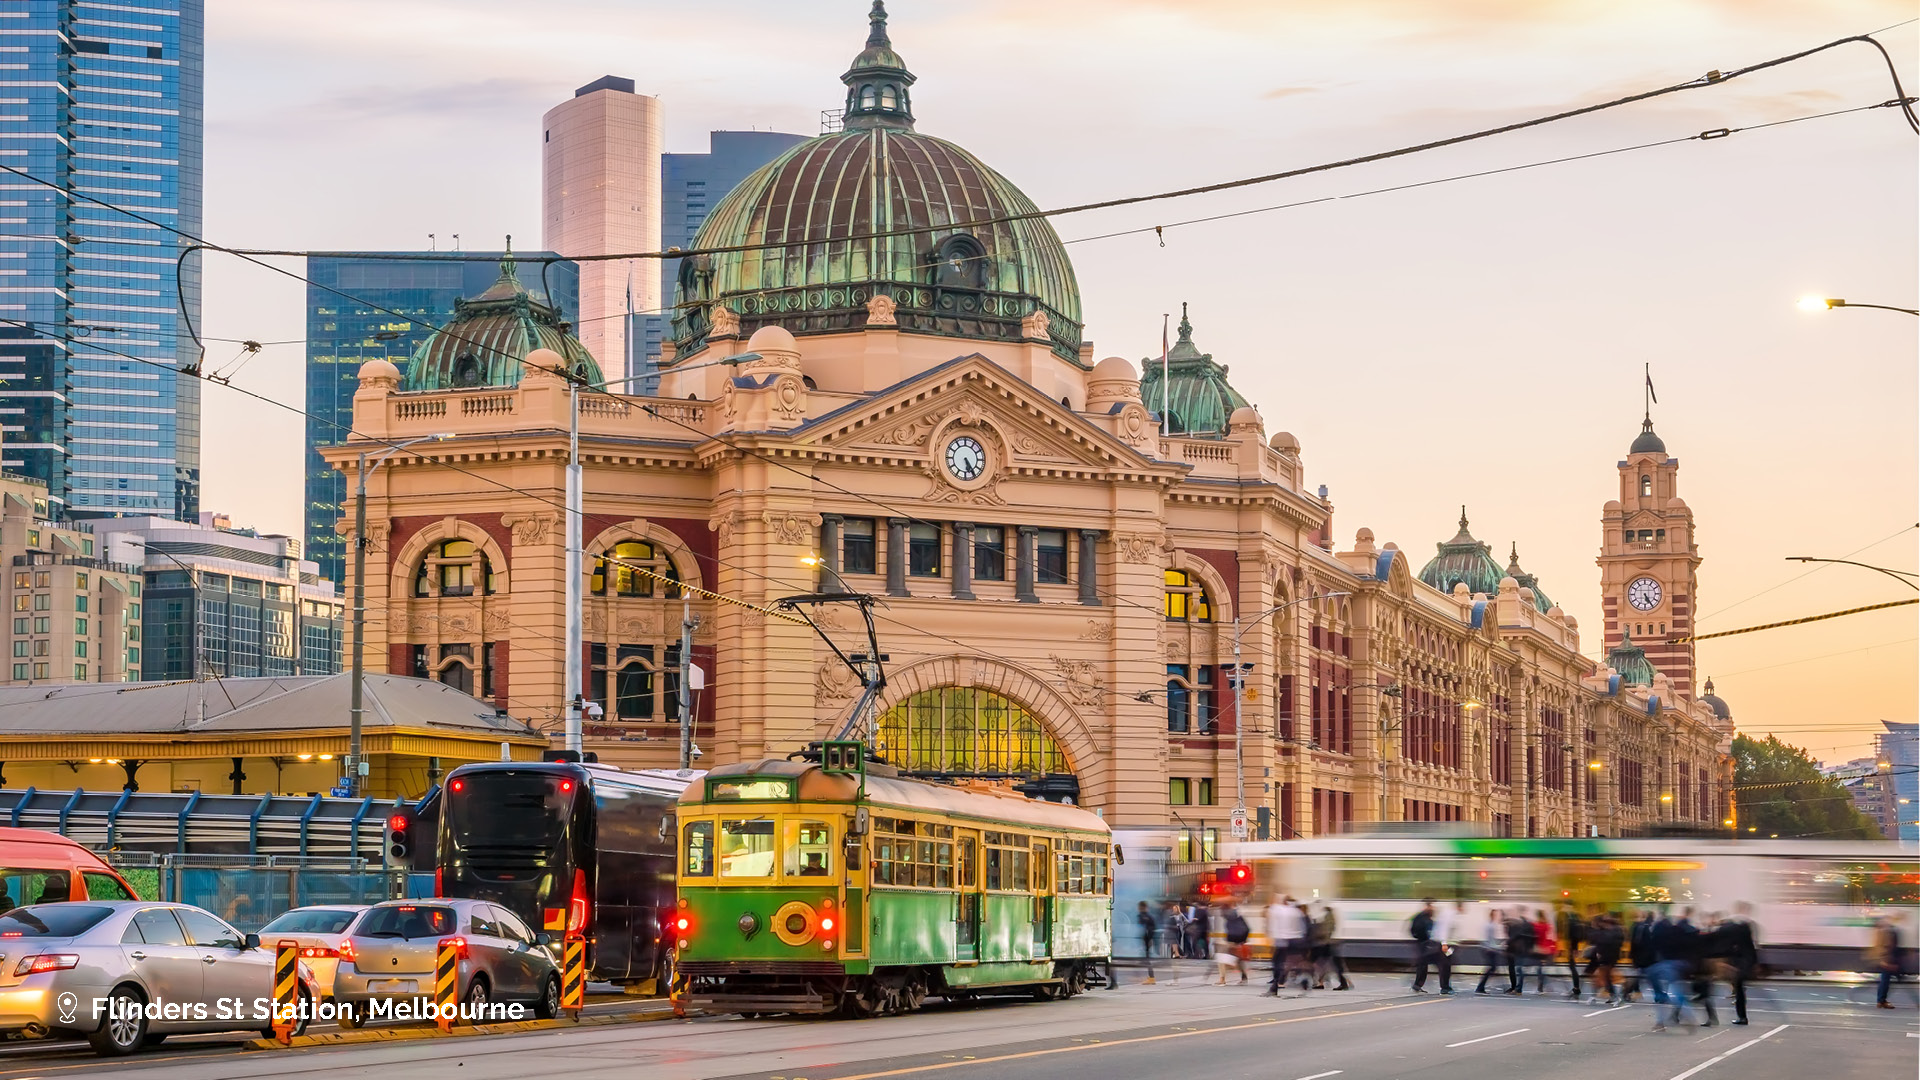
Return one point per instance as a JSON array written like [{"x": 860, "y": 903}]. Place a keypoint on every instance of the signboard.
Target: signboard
[
  {"x": 341, "y": 791},
  {"x": 1239, "y": 822}
]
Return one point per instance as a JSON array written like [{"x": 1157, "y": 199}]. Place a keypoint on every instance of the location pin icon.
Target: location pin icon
[{"x": 69, "y": 1004}]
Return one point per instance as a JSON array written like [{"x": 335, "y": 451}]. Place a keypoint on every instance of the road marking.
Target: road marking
[
  {"x": 1608, "y": 1009},
  {"x": 1317, "y": 1076},
  {"x": 1730, "y": 1053},
  {"x": 1484, "y": 1038},
  {"x": 1123, "y": 1042}
]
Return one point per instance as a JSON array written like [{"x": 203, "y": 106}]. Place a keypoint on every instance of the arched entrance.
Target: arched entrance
[{"x": 956, "y": 732}]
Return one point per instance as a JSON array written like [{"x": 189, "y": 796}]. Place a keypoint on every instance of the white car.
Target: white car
[{"x": 318, "y": 930}]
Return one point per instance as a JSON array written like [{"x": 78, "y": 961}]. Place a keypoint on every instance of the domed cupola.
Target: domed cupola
[
  {"x": 488, "y": 339},
  {"x": 1713, "y": 701},
  {"x": 1190, "y": 388},
  {"x": 1647, "y": 442},
  {"x": 1630, "y": 662},
  {"x": 1463, "y": 559},
  {"x": 1527, "y": 581},
  {"x": 878, "y": 226},
  {"x": 878, "y": 80}
]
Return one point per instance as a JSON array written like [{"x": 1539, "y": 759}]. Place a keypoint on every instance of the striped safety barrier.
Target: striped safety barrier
[
  {"x": 573, "y": 976},
  {"x": 446, "y": 982}
]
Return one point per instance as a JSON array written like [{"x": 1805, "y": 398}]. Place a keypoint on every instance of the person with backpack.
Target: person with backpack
[
  {"x": 1639, "y": 953},
  {"x": 1425, "y": 946},
  {"x": 1573, "y": 931},
  {"x": 1237, "y": 952},
  {"x": 1520, "y": 943},
  {"x": 1605, "y": 939},
  {"x": 1325, "y": 954},
  {"x": 1148, "y": 930}
]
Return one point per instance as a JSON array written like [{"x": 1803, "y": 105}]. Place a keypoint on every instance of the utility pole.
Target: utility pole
[
  {"x": 572, "y": 689},
  {"x": 686, "y": 683}
]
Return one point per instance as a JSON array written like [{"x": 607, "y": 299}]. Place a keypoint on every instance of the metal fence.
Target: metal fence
[{"x": 250, "y": 892}]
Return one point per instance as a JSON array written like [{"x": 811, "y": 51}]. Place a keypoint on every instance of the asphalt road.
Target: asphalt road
[{"x": 1182, "y": 1028}]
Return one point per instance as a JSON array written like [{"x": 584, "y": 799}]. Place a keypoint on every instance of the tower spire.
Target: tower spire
[{"x": 878, "y": 79}]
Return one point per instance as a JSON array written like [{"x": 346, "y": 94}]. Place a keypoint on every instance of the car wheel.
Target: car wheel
[
  {"x": 154, "y": 1039},
  {"x": 548, "y": 1006},
  {"x": 348, "y": 1015},
  {"x": 125, "y": 1027},
  {"x": 477, "y": 1000}
]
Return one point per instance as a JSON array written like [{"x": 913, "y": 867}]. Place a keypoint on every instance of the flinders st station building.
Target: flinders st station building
[{"x": 878, "y": 381}]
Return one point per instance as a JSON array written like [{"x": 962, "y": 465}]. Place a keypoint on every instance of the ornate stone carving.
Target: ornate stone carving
[
  {"x": 789, "y": 398},
  {"x": 1144, "y": 548},
  {"x": 941, "y": 489},
  {"x": 833, "y": 681},
  {"x": 723, "y": 528},
  {"x": 1035, "y": 324},
  {"x": 596, "y": 620},
  {"x": 1174, "y": 647},
  {"x": 725, "y": 322},
  {"x": 1097, "y": 630},
  {"x": 531, "y": 529},
  {"x": 910, "y": 433},
  {"x": 497, "y": 620},
  {"x": 1027, "y": 444},
  {"x": 1137, "y": 428},
  {"x": 880, "y": 311},
  {"x": 637, "y": 627},
  {"x": 790, "y": 528},
  {"x": 1082, "y": 679},
  {"x": 457, "y": 624}
]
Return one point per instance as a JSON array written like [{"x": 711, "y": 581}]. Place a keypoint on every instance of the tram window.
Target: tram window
[
  {"x": 883, "y": 860},
  {"x": 923, "y": 866},
  {"x": 966, "y": 877},
  {"x": 943, "y": 865},
  {"x": 994, "y": 874},
  {"x": 1849, "y": 884},
  {"x": 1042, "y": 866},
  {"x": 1017, "y": 877},
  {"x": 809, "y": 849},
  {"x": 1405, "y": 879},
  {"x": 746, "y": 848},
  {"x": 699, "y": 850}
]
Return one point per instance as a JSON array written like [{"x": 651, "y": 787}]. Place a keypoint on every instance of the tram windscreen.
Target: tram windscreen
[{"x": 507, "y": 809}]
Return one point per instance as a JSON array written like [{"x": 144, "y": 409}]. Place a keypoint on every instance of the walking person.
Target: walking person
[
  {"x": 1573, "y": 931},
  {"x": 1639, "y": 953},
  {"x": 1285, "y": 928},
  {"x": 1173, "y": 927},
  {"x": 1544, "y": 947},
  {"x": 1607, "y": 940},
  {"x": 1519, "y": 951},
  {"x": 1148, "y": 929},
  {"x": 1671, "y": 951},
  {"x": 1883, "y": 957},
  {"x": 1493, "y": 948},
  {"x": 1424, "y": 946},
  {"x": 1734, "y": 945},
  {"x": 1326, "y": 955},
  {"x": 1236, "y": 953}
]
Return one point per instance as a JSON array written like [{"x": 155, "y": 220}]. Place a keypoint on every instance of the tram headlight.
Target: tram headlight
[
  {"x": 826, "y": 946},
  {"x": 683, "y": 943},
  {"x": 826, "y": 923}
]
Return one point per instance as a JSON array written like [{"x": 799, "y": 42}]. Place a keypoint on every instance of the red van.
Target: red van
[{"x": 42, "y": 868}]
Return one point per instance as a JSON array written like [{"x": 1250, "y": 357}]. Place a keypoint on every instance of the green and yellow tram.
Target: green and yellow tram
[{"x": 812, "y": 889}]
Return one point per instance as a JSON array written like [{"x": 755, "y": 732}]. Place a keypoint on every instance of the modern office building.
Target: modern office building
[
  {"x": 600, "y": 194},
  {"x": 1897, "y": 755},
  {"x": 104, "y": 104},
  {"x": 691, "y": 185},
  {"x": 221, "y": 601},
  {"x": 76, "y": 613},
  {"x": 345, "y": 331}
]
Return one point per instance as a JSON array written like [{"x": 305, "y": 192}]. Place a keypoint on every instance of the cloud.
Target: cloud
[{"x": 1287, "y": 91}]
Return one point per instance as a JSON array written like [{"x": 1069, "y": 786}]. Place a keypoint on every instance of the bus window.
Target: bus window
[
  {"x": 809, "y": 849},
  {"x": 699, "y": 849},
  {"x": 746, "y": 848}
]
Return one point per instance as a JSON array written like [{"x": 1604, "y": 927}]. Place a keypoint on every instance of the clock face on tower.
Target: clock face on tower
[
  {"x": 1643, "y": 593},
  {"x": 966, "y": 458}
]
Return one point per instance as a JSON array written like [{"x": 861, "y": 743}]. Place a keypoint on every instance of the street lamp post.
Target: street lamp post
[
  {"x": 1240, "y": 671},
  {"x": 360, "y": 603},
  {"x": 1817, "y": 303}
]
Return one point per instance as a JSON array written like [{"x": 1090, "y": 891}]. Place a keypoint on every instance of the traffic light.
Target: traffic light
[
  {"x": 1238, "y": 878},
  {"x": 399, "y": 845}
]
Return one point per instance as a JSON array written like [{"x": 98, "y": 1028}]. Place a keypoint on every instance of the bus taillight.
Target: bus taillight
[
  {"x": 439, "y": 881},
  {"x": 577, "y": 907}
]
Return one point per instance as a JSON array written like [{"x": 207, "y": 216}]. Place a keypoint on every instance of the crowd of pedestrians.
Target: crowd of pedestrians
[{"x": 1670, "y": 959}]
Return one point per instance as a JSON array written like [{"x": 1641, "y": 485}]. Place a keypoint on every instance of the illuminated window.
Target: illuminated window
[
  {"x": 964, "y": 731},
  {"x": 454, "y": 568},
  {"x": 635, "y": 568},
  {"x": 1186, "y": 599},
  {"x": 1646, "y": 487}
]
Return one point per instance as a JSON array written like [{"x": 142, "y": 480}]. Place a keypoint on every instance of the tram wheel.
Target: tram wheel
[
  {"x": 865, "y": 999},
  {"x": 914, "y": 994}
]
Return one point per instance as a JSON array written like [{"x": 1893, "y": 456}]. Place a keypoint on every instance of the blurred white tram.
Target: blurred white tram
[{"x": 1813, "y": 902}]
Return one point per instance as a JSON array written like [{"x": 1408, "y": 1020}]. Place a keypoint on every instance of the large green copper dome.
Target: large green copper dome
[
  {"x": 489, "y": 337},
  {"x": 1463, "y": 559},
  {"x": 1197, "y": 399},
  {"x": 810, "y": 259},
  {"x": 1527, "y": 581}
]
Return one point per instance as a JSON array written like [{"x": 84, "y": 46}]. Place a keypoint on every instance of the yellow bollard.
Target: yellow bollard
[
  {"x": 573, "y": 976},
  {"x": 446, "y": 981},
  {"x": 286, "y": 992}
]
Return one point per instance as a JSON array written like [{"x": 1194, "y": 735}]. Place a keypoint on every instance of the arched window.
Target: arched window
[
  {"x": 889, "y": 99},
  {"x": 960, "y": 262},
  {"x": 635, "y": 568},
  {"x": 866, "y": 97},
  {"x": 635, "y": 683},
  {"x": 1187, "y": 599},
  {"x": 1646, "y": 486},
  {"x": 454, "y": 568},
  {"x": 961, "y": 731}
]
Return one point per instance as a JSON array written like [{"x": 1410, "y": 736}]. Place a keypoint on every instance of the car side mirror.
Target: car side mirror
[
  {"x": 251, "y": 941},
  {"x": 543, "y": 939}
]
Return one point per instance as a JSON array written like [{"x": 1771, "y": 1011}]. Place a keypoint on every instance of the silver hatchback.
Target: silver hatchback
[
  {"x": 387, "y": 960},
  {"x": 128, "y": 973}
]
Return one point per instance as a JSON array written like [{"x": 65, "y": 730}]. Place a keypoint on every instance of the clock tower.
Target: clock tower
[{"x": 1649, "y": 563}]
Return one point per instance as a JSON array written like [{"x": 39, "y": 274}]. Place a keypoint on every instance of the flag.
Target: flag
[{"x": 1650, "y": 394}]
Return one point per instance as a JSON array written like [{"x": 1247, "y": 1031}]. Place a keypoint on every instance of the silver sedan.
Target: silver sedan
[
  {"x": 127, "y": 973},
  {"x": 387, "y": 961}
]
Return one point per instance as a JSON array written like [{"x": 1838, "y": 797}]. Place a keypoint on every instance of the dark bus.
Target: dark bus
[{"x": 571, "y": 849}]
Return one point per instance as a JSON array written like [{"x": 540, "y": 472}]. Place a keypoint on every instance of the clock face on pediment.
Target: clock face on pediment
[
  {"x": 966, "y": 458},
  {"x": 1643, "y": 593}
]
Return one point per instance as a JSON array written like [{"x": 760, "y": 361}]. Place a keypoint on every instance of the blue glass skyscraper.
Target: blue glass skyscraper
[
  {"x": 344, "y": 333},
  {"x": 104, "y": 101},
  {"x": 691, "y": 185}
]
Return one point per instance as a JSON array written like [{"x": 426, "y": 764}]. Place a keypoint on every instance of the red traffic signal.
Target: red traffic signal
[{"x": 1238, "y": 877}]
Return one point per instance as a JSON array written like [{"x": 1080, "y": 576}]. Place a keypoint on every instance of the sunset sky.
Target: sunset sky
[{"x": 1476, "y": 342}]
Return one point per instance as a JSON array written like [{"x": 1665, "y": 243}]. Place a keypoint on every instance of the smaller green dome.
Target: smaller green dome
[
  {"x": 1630, "y": 662},
  {"x": 487, "y": 341},
  {"x": 1527, "y": 581},
  {"x": 1196, "y": 398},
  {"x": 1647, "y": 442},
  {"x": 1463, "y": 559}
]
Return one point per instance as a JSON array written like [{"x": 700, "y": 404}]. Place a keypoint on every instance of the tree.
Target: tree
[{"x": 1779, "y": 791}]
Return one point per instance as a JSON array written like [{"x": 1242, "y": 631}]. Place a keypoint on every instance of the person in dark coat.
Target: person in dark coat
[
  {"x": 1520, "y": 946},
  {"x": 1639, "y": 953},
  {"x": 1733, "y": 945}
]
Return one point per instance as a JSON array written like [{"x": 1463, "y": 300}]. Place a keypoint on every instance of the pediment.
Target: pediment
[{"x": 1020, "y": 427}]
